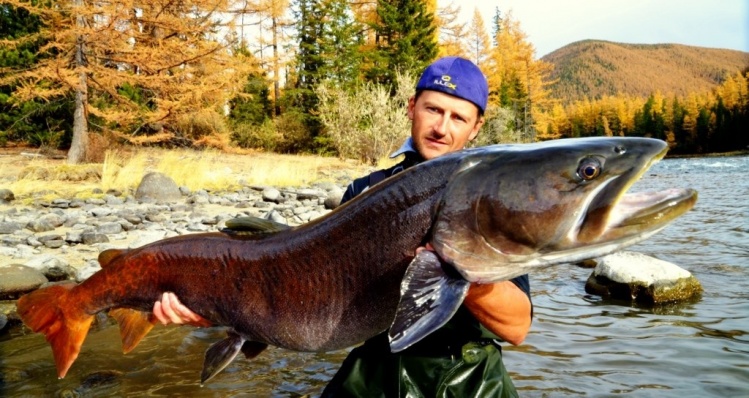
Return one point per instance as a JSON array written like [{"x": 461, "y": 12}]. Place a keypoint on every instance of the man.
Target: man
[{"x": 463, "y": 358}]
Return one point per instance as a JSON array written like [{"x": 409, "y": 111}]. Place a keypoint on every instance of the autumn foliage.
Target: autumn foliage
[{"x": 292, "y": 76}]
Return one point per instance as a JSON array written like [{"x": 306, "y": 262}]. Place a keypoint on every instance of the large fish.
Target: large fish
[{"x": 490, "y": 213}]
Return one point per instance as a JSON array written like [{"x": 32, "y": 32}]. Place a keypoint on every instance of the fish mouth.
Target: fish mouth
[
  {"x": 615, "y": 218},
  {"x": 646, "y": 208}
]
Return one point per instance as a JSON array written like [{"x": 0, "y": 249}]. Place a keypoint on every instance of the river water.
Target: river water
[{"x": 579, "y": 345}]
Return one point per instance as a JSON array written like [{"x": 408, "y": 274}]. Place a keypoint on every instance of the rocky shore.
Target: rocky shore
[{"x": 60, "y": 239}]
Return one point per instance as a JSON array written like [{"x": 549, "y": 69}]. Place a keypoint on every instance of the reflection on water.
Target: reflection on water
[{"x": 579, "y": 344}]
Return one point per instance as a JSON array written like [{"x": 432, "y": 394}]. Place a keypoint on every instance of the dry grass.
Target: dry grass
[{"x": 122, "y": 170}]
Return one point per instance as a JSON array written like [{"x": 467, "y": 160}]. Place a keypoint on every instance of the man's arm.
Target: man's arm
[{"x": 503, "y": 308}]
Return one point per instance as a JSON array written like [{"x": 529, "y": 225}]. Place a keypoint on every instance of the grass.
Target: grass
[{"x": 123, "y": 169}]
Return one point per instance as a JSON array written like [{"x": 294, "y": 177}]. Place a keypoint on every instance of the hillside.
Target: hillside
[{"x": 593, "y": 69}]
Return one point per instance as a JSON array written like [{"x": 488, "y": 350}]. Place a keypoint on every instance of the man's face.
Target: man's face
[{"x": 442, "y": 123}]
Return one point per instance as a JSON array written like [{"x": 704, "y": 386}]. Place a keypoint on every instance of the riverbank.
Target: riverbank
[{"x": 53, "y": 225}]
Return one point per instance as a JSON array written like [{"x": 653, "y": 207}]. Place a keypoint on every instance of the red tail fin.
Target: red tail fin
[{"x": 49, "y": 311}]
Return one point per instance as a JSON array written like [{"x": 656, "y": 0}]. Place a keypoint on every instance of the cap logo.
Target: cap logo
[{"x": 444, "y": 81}]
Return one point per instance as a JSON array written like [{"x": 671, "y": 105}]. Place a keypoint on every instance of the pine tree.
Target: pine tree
[
  {"x": 40, "y": 123},
  {"x": 496, "y": 25},
  {"x": 404, "y": 40}
]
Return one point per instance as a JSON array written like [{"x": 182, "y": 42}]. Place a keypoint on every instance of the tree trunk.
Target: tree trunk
[
  {"x": 276, "y": 78},
  {"x": 79, "y": 145}
]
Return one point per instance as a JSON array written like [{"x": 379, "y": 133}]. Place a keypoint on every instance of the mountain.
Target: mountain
[{"x": 594, "y": 68}]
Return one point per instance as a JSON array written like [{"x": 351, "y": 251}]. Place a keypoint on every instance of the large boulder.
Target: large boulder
[
  {"x": 636, "y": 277},
  {"x": 16, "y": 280},
  {"x": 157, "y": 187}
]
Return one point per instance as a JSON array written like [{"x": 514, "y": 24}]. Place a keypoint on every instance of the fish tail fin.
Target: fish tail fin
[
  {"x": 49, "y": 311},
  {"x": 134, "y": 326}
]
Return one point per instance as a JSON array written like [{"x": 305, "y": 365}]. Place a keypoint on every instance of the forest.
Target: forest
[{"x": 302, "y": 76}]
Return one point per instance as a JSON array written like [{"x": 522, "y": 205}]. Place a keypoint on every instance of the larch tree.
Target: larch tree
[
  {"x": 478, "y": 40},
  {"x": 516, "y": 79},
  {"x": 136, "y": 68},
  {"x": 452, "y": 32}
]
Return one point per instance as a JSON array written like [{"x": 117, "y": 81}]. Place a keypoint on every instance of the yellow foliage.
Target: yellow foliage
[{"x": 145, "y": 62}]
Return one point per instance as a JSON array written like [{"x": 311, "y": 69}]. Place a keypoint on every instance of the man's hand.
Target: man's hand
[{"x": 171, "y": 310}]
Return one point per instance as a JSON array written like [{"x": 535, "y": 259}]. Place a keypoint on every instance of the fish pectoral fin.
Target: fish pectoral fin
[
  {"x": 251, "y": 349},
  {"x": 220, "y": 354},
  {"x": 134, "y": 326},
  {"x": 431, "y": 293}
]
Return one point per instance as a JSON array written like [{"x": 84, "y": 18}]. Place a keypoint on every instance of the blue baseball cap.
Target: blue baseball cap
[{"x": 458, "y": 77}]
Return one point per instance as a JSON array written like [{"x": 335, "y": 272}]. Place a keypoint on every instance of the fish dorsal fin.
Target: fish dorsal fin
[
  {"x": 108, "y": 256},
  {"x": 134, "y": 326},
  {"x": 430, "y": 296},
  {"x": 254, "y": 226}
]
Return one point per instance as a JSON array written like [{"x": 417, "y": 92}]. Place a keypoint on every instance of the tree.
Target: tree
[
  {"x": 496, "y": 25},
  {"x": 452, "y": 33},
  {"x": 404, "y": 40},
  {"x": 516, "y": 79},
  {"x": 273, "y": 20},
  {"x": 38, "y": 122},
  {"x": 136, "y": 68},
  {"x": 478, "y": 40}
]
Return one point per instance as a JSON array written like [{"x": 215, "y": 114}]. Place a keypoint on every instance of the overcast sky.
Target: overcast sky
[{"x": 551, "y": 24}]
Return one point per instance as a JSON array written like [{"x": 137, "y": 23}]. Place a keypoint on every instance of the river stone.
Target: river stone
[
  {"x": 9, "y": 227},
  {"x": 47, "y": 222},
  {"x": 109, "y": 228},
  {"x": 334, "y": 198},
  {"x": 89, "y": 238},
  {"x": 272, "y": 195},
  {"x": 157, "y": 187},
  {"x": 18, "y": 279},
  {"x": 6, "y": 196},
  {"x": 640, "y": 278},
  {"x": 308, "y": 193}
]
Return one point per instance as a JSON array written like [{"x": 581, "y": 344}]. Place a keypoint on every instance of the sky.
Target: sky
[{"x": 552, "y": 24}]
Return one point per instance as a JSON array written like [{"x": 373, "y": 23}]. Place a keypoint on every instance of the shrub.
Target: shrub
[
  {"x": 262, "y": 136},
  {"x": 368, "y": 123},
  {"x": 203, "y": 126},
  {"x": 497, "y": 128}
]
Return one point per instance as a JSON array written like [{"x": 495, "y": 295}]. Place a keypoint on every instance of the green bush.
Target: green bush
[
  {"x": 263, "y": 136},
  {"x": 498, "y": 128},
  {"x": 296, "y": 137},
  {"x": 367, "y": 123}
]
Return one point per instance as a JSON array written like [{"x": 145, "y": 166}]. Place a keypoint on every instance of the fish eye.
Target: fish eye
[{"x": 589, "y": 169}]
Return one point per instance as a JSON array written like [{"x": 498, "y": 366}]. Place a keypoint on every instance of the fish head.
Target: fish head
[{"x": 512, "y": 208}]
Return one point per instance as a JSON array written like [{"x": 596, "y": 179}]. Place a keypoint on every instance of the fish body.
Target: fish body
[{"x": 491, "y": 213}]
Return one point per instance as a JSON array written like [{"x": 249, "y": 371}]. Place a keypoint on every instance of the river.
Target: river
[{"x": 579, "y": 345}]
